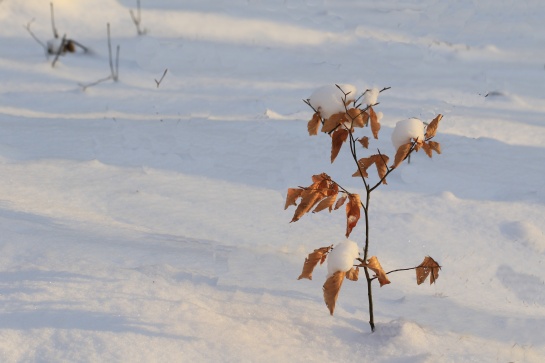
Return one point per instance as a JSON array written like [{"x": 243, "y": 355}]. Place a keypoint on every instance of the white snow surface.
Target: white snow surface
[
  {"x": 407, "y": 130},
  {"x": 146, "y": 224},
  {"x": 330, "y": 99},
  {"x": 342, "y": 256}
]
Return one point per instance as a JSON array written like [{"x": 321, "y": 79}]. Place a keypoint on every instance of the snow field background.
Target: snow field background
[{"x": 145, "y": 224}]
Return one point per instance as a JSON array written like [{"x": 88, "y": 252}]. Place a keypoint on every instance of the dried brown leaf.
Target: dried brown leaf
[
  {"x": 333, "y": 121},
  {"x": 428, "y": 267},
  {"x": 374, "y": 265},
  {"x": 355, "y": 117},
  {"x": 319, "y": 255},
  {"x": 427, "y": 149},
  {"x": 401, "y": 154},
  {"x": 435, "y": 146},
  {"x": 314, "y": 124},
  {"x": 331, "y": 289},
  {"x": 325, "y": 204},
  {"x": 320, "y": 177},
  {"x": 352, "y": 212},
  {"x": 363, "y": 164},
  {"x": 381, "y": 162},
  {"x": 321, "y": 188},
  {"x": 337, "y": 139},
  {"x": 340, "y": 202},
  {"x": 353, "y": 274},
  {"x": 431, "y": 130},
  {"x": 309, "y": 198},
  {"x": 364, "y": 141},
  {"x": 375, "y": 124},
  {"x": 293, "y": 194}
]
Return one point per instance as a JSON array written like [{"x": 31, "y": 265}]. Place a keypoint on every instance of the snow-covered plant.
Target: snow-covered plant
[
  {"x": 339, "y": 113},
  {"x": 56, "y": 46}
]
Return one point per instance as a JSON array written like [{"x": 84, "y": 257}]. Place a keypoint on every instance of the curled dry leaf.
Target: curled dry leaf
[
  {"x": 402, "y": 153},
  {"x": 340, "y": 202},
  {"x": 435, "y": 146},
  {"x": 293, "y": 194},
  {"x": 319, "y": 255},
  {"x": 381, "y": 162},
  {"x": 333, "y": 121},
  {"x": 325, "y": 204},
  {"x": 313, "y": 125},
  {"x": 364, "y": 141},
  {"x": 363, "y": 164},
  {"x": 322, "y": 187},
  {"x": 374, "y": 265},
  {"x": 331, "y": 289},
  {"x": 337, "y": 139},
  {"x": 355, "y": 117},
  {"x": 431, "y": 130},
  {"x": 375, "y": 124},
  {"x": 428, "y": 267},
  {"x": 427, "y": 149},
  {"x": 352, "y": 212},
  {"x": 353, "y": 274}
]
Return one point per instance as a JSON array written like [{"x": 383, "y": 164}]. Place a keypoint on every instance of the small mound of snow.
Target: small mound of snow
[
  {"x": 406, "y": 130},
  {"x": 329, "y": 99},
  {"x": 371, "y": 96},
  {"x": 342, "y": 257},
  {"x": 525, "y": 233}
]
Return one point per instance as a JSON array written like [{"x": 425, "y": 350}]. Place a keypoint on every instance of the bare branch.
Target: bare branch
[
  {"x": 55, "y": 33},
  {"x": 27, "y": 27},
  {"x": 59, "y": 51},
  {"x": 159, "y": 81},
  {"x": 85, "y": 86},
  {"x": 137, "y": 19},
  {"x": 115, "y": 72}
]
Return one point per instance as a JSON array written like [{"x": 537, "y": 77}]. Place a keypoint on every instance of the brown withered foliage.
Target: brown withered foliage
[
  {"x": 353, "y": 274},
  {"x": 319, "y": 255},
  {"x": 321, "y": 188},
  {"x": 356, "y": 117},
  {"x": 293, "y": 194},
  {"x": 431, "y": 130},
  {"x": 334, "y": 121},
  {"x": 373, "y": 264},
  {"x": 326, "y": 203},
  {"x": 381, "y": 163},
  {"x": 375, "y": 125},
  {"x": 435, "y": 146},
  {"x": 428, "y": 267},
  {"x": 314, "y": 124},
  {"x": 352, "y": 212},
  {"x": 402, "y": 153},
  {"x": 337, "y": 139},
  {"x": 331, "y": 289},
  {"x": 364, "y": 141},
  {"x": 340, "y": 201}
]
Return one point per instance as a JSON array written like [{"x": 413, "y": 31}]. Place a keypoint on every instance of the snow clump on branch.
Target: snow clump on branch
[
  {"x": 342, "y": 256},
  {"x": 328, "y": 100},
  {"x": 371, "y": 96},
  {"x": 407, "y": 130}
]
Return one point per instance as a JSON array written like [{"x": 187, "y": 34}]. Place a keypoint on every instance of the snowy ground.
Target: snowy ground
[{"x": 145, "y": 224}]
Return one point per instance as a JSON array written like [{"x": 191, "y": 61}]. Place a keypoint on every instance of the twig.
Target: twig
[
  {"x": 163, "y": 76},
  {"x": 27, "y": 27},
  {"x": 59, "y": 51},
  {"x": 115, "y": 72},
  {"x": 55, "y": 33},
  {"x": 137, "y": 19},
  {"x": 85, "y": 86}
]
